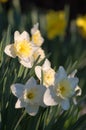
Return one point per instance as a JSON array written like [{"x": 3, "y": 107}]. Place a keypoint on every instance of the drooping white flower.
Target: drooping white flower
[
  {"x": 30, "y": 96},
  {"x": 22, "y": 48},
  {"x": 62, "y": 91},
  {"x": 37, "y": 39},
  {"x": 48, "y": 73}
]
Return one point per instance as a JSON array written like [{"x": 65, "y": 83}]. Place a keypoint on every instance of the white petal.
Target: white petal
[
  {"x": 46, "y": 64},
  {"x": 35, "y": 28},
  {"x": 78, "y": 91},
  {"x": 9, "y": 50},
  {"x": 19, "y": 104},
  {"x": 32, "y": 109},
  {"x": 40, "y": 95},
  {"x": 17, "y": 89},
  {"x": 25, "y": 36},
  {"x": 26, "y": 64},
  {"x": 16, "y": 35},
  {"x": 65, "y": 104},
  {"x": 74, "y": 82},
  {"x": 61, "y": 74},
  {"x": 38, "y": 72},
  {"x": 31, "y": 82},
  {"x": 50, "y": 97},
  {"x": 74, "y": 100},
  {"x": 72, "y": 74}
]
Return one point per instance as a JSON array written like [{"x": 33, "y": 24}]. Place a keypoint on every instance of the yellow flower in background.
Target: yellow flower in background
[
  {"x": 81, "y": 24},
  {"x": 55, "y": 23},
  {"x": 3, "y": 1}
]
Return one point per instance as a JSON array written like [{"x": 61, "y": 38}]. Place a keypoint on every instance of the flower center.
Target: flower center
[
  {"x": 64, "y": 89},
  {"x": 23, "y": 48},
  {"x": 29, "y": 95}
]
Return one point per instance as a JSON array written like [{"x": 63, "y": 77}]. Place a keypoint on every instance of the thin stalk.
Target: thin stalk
[{"x": 19, "y": 120}]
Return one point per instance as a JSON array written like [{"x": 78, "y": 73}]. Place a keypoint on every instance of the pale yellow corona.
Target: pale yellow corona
[
  {"x": 64, "y": 89},
  {"x": 23, "y": 49},
  {"x": 29, "y": 95},
  {"x": 48, "y": 77}
]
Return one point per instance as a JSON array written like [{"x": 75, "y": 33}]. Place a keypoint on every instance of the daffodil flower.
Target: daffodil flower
[
  {"x": 22, "y": 48},
  {"x": 37, "y": 39},
  {"x": 48, "y": 73},
  {"x": 62, "y": 90},
  {"x": 30, "y": 96}
]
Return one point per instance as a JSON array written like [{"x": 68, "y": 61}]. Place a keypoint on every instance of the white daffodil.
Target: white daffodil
[
  {"x": 22, "y": 47},
  {"x": 30, "y": 96},
  {"x": 37, "y": 39},
  {"x": 62, "y": 91},
  {"x": 48, "y": 73},
  {"x": 37, "y": 53}
]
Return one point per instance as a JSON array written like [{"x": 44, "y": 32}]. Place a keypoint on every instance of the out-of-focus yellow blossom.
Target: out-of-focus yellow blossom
[
  {"x": 81, "y": 23},
  {"x": 3, "y": 1},
  {"x": 55, "y": 23}
]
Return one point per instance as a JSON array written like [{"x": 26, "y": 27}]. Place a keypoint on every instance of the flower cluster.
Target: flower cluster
[
  {"x": 54, "y": 87},
  {"x": 26, "y": 48}
]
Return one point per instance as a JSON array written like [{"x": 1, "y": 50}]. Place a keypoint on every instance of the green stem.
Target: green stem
[{"x": 20, "y": 120}]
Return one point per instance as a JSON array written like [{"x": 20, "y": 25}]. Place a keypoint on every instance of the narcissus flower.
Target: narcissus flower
[
  {"x": 81, "y": 24},
  {"x": 62, "y": 90},
  {"x": 55, "y": 23},
  {"x": 46, "y": 72},
  {"x": 22, "y": 48},
  {"x": 30, "y": 96},
  {"x": 37, "y": 39}
]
